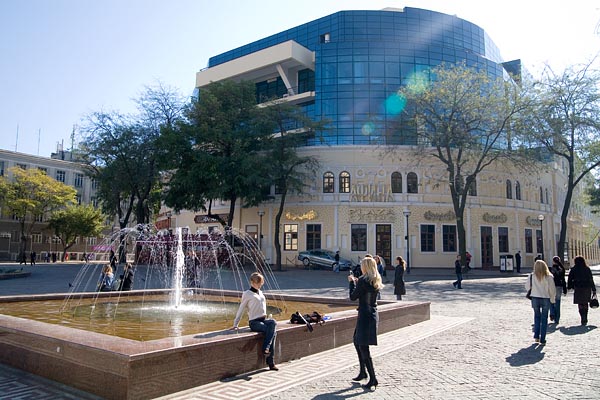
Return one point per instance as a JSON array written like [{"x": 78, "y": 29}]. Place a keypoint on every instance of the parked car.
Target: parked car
[{"x": 322, "y": 259}]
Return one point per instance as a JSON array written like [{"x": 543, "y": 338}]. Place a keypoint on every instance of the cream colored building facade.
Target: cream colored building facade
[{"x": 501, "y": 219}]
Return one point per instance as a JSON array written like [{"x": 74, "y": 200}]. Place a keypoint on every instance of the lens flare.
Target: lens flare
[{"x": 394, "y": 104}]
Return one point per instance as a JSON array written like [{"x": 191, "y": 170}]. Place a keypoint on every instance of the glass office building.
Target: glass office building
[
  {"x": 361, "y": 58},
  {"x": 347, "y": 68}
]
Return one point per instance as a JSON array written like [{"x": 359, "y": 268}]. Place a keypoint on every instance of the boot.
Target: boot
[
  {"x": 583, "y": 313},
  {"x": 362, "y": 374},
  {"x": 372, "y": 384}
]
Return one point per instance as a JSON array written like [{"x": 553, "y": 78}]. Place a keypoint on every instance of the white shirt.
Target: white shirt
[
  {"x": 256, "y": 303},
  {"x": 545, "y": 288}
]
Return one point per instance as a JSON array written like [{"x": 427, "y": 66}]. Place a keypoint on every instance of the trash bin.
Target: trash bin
[{"x": 506, "y": 263}]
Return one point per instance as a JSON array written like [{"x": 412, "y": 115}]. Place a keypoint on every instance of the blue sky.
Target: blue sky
[{"x": 62, "y": 59}]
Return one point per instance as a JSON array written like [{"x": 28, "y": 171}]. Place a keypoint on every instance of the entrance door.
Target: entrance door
[
  {"x": 487, "y": 247},
  {"x": 383, "y": 243}
]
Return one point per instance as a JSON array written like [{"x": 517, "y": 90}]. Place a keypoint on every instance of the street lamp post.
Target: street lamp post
[
  {"x": 541, "y": 219},
  {"x": 261, "y": 213},
  {"x": 406, "y": 213}
]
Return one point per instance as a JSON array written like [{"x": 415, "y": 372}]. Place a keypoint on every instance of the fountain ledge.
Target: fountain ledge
[{"x": 118, "y": 368}]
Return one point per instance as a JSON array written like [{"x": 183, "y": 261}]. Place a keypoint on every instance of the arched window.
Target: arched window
[
  {"x": 344, "y": 182},
  {"x": 547, "y": 197},
  {"x": 517, "y": 190},
  {"x": 508, "y": 189},
  {"x": 328, "y": 182},
  {"x": 541, "y": 195},
  {"x": 412, "y": 183},
  {"x": 396, "y": 182}
]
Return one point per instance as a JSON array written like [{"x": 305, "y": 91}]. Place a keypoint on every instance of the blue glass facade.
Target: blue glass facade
[{"x": 363, "y": 57}]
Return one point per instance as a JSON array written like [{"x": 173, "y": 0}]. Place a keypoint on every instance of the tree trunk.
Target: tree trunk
[{"x": 277, "y": 223}]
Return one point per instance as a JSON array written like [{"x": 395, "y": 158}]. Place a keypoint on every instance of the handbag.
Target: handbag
[
  {"x": 528, "y": 295},
  {"x": 594, "y": 301}
]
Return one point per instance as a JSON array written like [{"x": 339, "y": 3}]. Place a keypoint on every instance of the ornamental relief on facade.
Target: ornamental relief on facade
[
  {"x": 297, "y": 216},
  {"x": 533, "y": 221},
  {"x": 372, "y": 215},
  {"x": 495, "y": 218},
  {"x": 441, "y": 217}
]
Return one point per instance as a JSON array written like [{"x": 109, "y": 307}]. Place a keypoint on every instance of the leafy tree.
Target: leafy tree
[
  {"x": 567, "y": 123},
  {"x": 73, "y": 221},
  {"x": 122, "y": 154},
  {"x": 289, "y": 171},
  {"x": 462, "y": 118},
  {"x": 217, "y": 152},
  {"x": 31, "y": 195}
]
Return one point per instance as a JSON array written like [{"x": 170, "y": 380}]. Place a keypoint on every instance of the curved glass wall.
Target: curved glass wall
[{"x": 363, "y": 57}]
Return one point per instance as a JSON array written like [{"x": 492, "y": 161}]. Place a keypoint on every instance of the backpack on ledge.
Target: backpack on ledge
[{"x": 314, "y": 318}]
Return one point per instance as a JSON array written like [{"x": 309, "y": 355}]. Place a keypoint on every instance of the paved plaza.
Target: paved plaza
[{"x": 477, "y": 345}]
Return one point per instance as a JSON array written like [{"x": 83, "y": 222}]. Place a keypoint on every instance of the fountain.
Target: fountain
[{"x": 88, "y": 347}]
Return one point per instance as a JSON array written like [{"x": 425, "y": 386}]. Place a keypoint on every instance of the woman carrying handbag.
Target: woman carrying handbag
[
  {"x": 582, "y": 281},
  {"x": 543, "y": 293}
]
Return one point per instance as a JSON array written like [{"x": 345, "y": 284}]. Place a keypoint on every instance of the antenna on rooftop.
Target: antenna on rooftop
[{"x": 39, "y": 136}]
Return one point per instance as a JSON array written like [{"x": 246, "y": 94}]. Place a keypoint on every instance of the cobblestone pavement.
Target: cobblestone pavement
[{"x": 478, "y": 345}]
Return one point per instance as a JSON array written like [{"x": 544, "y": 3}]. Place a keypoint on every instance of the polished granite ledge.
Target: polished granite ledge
[{"x": 117, "y": 368}]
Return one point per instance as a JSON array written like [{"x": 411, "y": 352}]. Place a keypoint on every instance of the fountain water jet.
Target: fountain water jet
[{"x": 118, "y": 368}]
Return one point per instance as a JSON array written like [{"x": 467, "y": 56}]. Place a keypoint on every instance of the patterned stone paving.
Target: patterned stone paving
[{"x": 259, "y": 384}]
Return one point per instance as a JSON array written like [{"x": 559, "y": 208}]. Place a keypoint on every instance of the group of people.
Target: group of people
[
  {"x": 548, "y": 284},
  {"x": 107, "y": 278}
]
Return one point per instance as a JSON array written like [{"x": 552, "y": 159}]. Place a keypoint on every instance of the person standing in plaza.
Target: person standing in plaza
[
  {"x": 518, "y": 261},
  {"x": 582, "y": 281},
  {"x": 365, "y": 289},
  {"x": 106, "y": 279},
  {"x": 337, "y": 261},
  {"x": 558, "y": 272},
  {"x": 399, "y": 286},
  {"x": 543, "y": 293},
  {"x": 255, "y": 302},
  {"x": 458, "y": 271}
]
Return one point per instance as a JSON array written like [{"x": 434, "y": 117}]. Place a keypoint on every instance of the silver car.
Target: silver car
[{"x": 322, "y": 259}]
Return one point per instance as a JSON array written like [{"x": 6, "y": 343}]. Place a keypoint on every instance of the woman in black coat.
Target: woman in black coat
[
  {"x": 582, "y": 281},
  {"x": 365, "y": 289},
  {"x": 399, "y": 287}
]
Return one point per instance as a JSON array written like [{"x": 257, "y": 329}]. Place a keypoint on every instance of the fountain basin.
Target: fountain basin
[{"x": 120, "y": 368}]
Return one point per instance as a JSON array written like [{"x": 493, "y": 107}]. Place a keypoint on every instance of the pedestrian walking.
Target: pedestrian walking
[
  {"x": 581, "y": 281},
  {"x": 337, "y": 261},
  {"x": 518, "y": 261},
  {"x": 399, "y": 286},
  {"x": 255, "y": 302},
  {"x": 543, "y": 293},
  {"x": 558, "y": 272},
  {"x": 458, "y": 271},
  {"x": 365, "y": 289}
]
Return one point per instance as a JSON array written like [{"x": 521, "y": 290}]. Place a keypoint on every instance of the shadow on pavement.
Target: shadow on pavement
[
  {"x": 526, "y": 356},
  {"x": 576, "y": 329}
]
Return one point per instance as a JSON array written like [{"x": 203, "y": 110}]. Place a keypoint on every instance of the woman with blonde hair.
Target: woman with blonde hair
[
  {"x": 106, "y": 279},
  {"x": 543, "y": 293},
  {"x": 365, "y": 289}
]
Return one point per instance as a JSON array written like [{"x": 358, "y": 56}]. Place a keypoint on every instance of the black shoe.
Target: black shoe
[
  {"x": 552, "y": 318},
  {"x": 272, "y": 367},
  {"x": 454, "y": 284},
  {"x": 371, "y": 385},
  {"x": 360, "y": 377}
]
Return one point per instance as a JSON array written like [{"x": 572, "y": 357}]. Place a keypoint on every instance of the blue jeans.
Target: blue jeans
[
  {"x": 266, "y": 326},
  {"x": 555, "y": 308},
  {"x": 458, "y": 281},
  {"x": 541, "y": 306}
]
